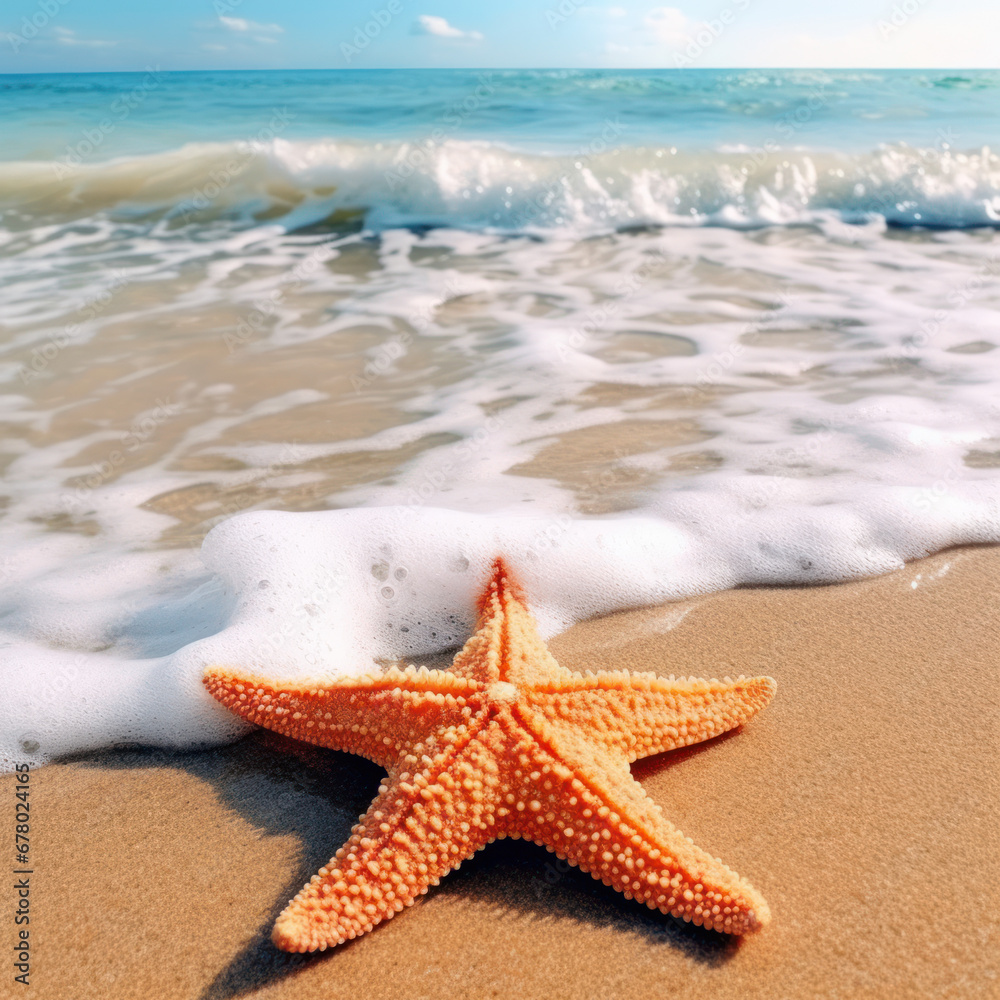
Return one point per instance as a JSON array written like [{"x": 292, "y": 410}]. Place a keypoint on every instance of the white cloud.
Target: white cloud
[
  {"x": 67, "y": 36},
  {"x": 209, "y": 47},
  {"x": 243, "y": 25},
  {"x": 669, "y": 26},
  {"x": 430, "y": 24},
  {"x": 617, "y": 12}
]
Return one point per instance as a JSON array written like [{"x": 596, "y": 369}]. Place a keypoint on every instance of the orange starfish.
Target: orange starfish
[{"x": 505, "y": 744}]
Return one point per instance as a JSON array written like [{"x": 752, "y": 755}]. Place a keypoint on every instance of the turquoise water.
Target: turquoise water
[
  {"x": 503, "y": 150},
  {"x": 545, "y": 111}
]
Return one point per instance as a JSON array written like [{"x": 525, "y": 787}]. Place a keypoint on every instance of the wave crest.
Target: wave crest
[{"x": 478, "y": 185}]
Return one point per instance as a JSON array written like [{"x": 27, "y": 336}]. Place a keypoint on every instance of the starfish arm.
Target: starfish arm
[
  {"x": 607, "y": 825},
  {"x": 429, "y": 816},
  {"x": 377, "y": 716},
  {"x": 506, "y": 645},
  {"x": 643, "y": 714}
]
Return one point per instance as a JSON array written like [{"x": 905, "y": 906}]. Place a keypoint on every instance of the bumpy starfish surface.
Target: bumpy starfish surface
[{"x": 504, "y": 744}]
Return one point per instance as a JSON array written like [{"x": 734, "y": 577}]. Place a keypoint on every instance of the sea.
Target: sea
[{"x": 643, "y": 334}]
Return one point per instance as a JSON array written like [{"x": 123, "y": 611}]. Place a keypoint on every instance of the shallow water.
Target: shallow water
[{"x": 748, "y": 317}]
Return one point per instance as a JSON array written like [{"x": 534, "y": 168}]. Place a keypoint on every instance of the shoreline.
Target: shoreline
[{"x": 861, "y": 803}]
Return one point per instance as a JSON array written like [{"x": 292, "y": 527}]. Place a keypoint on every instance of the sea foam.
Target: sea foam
[
  {"x": 331, "y": 594},
  {"x": 475, "y": 184}
]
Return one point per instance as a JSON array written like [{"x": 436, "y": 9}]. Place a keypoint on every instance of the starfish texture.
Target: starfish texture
[{"x": 504, "y": 744}]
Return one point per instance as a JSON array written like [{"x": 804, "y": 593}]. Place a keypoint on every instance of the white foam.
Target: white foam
[
  {"x": 326, "y": 594},
  {"x": 469, "y": 183}
]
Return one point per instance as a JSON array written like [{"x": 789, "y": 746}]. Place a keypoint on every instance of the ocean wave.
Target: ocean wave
[{"x": 483, "y": 185}]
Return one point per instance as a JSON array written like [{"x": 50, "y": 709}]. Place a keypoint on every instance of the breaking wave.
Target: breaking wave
[{"x": 482, "y": 185}]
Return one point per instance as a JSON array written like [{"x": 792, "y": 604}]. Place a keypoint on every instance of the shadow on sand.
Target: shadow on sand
[{"x": 263, "y": 776}]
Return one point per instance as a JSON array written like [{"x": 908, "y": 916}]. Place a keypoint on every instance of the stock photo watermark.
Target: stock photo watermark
[
  {"x": 541, "y": 201},
  {"x": 786, "y": 126},
  {"x": 366, "y": 33},
  {"x": 722, "y": 362},
  {"x": 598, "y": 316},
  {"x": 382, "y": 359},
  {"x": 898, "y": 16},
  {"x": 45, "y": 11},
  {"x": 141, "y": 430},
  {"x": 333, "y": 582},
  {"x": 254, "y": 322},
  {"x": 22, "y": 873},
  {"x": 707, "y": 33},
  {"x": 90, "y": 308},
  {"x": 897, "y": 196},
  {"x": 290, "y": 455},
  {"x": 464, "y": 451},
  {"x": 220, "y": 178},
  {"x": 452, "y": 120},
  {"x": 93, "y": 136},
  {"x": 930, "y": 330}
]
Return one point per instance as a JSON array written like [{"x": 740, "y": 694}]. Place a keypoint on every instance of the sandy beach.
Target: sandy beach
[{"x": 862, "y": 803}]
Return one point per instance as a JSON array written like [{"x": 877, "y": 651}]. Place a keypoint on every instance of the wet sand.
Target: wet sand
[{"x": 862, "y": 802}]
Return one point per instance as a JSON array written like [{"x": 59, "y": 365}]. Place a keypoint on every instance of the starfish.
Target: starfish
[{"x": 504, "y": 744}]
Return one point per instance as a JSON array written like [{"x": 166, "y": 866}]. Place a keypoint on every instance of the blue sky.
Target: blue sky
[{"x": 82, "y": 35}]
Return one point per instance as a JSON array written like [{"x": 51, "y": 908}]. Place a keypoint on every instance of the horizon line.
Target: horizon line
[{"x": 512, "y": 69}]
